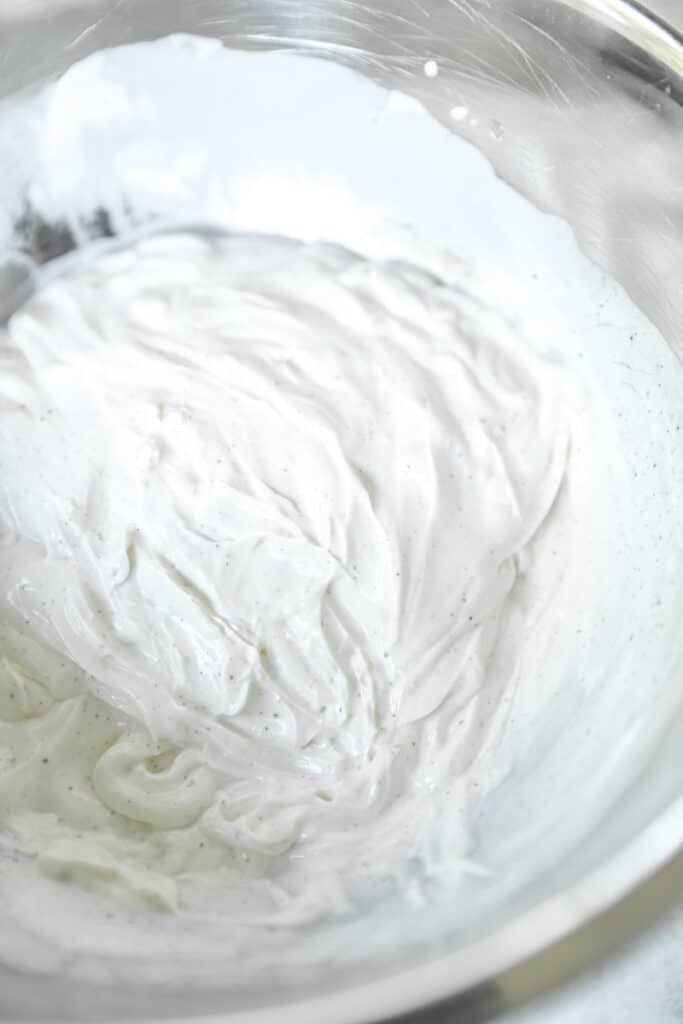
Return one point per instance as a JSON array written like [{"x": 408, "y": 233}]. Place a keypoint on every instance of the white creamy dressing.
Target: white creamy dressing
[
  {"x": 280, "y": 506},
  {"x": 311, "y": 555}
]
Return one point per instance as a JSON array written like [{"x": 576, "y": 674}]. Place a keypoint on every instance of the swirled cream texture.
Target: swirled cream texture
[{"x": 278, "y": 527}]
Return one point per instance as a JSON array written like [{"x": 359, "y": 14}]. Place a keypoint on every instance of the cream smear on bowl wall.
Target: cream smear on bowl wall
[{"x": 339, "y": 543}]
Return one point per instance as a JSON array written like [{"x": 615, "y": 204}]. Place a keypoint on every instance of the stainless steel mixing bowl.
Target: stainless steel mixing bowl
[{"x": 578, "y": 106}]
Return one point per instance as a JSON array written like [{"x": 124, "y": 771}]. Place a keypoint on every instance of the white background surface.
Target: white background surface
[{"x": 643, "y": 984}]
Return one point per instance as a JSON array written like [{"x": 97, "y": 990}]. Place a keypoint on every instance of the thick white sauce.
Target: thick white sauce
[
  {"x": 320, "y": 565},
  {"x": 279, "y": 506}
]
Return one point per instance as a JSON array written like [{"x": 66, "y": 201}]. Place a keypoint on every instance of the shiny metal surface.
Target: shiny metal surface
[{"x": 567, "y": 95}]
